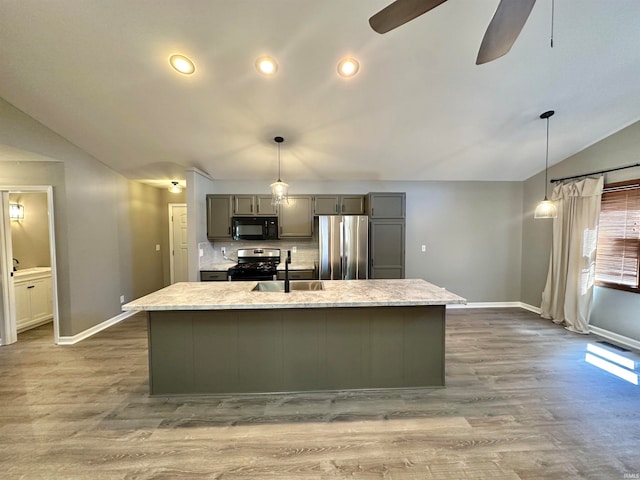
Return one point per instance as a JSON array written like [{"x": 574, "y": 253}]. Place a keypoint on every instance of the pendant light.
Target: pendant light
[
  {"x": 546, "y": 208},
  {"x": 279, "y": 189}
]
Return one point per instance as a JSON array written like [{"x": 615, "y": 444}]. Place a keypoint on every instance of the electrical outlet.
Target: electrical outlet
[
  {"x": 201, "y": 252},
  {"x": 121, "y": 299},
  {"x": 424, "y": 248},
  {"x": 223, "y": 250},
  {"x": 294, "y": 249}
]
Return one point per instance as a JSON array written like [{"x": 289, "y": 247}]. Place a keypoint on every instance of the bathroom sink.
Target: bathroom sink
[{"x": 278, "y": 286}]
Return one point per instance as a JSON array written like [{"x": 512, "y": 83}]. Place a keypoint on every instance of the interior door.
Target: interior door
[
  {"x": 7, "y": 300},
  {"x": 179, "y": 261}
]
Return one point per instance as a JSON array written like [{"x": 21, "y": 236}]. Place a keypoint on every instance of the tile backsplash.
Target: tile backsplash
[{"x": 306, "y": 250}]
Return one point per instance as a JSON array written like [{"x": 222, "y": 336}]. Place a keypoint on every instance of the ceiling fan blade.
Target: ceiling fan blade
[
  {"x": 504, "y": 28},
  {"x": 400, "y": 12}
]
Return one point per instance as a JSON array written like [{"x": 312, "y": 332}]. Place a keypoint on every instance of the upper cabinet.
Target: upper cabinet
[
  {"x": 387, "y": 205},
  {"x": 254, "y": 205},
  {"x": 339, "y": 205},
  {"x": 296, "y": 217},
  {"x": 219, "y": 211}
]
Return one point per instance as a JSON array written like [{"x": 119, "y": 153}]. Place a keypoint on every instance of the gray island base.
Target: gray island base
[{"x": 360, "y": 334}]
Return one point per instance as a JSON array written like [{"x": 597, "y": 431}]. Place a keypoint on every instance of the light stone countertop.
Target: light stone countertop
[
  {"x": 297, "y": 266},
  {"x": 218, "y": 266},
  {"x": 337, "y": 293},
  {"x": 227, "y": 265}
]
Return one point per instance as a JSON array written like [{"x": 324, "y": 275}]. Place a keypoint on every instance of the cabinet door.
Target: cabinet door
[
  {"x": 296, "y": 219},
  {"x": 387, "y": 248},
  {"x": 352, "y": 204},
  {"x": 297, "y": 275},
  {"x": 23, "y": 304},
  {"x": 326, "y": 205},
  {"x": 264, "y": 206},
  {"x": 40, "y": 307},
  {"x": 387, "y": 205},
  {"x": 213, "y": 276},
  {"x": 243, "y": 205},
  {"x": 218, "y": 216}
]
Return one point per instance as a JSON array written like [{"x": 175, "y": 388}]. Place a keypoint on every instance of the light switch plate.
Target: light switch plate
[
  {"x": 157, "y": 247},
  {"x": 424, "y": 248},
  {"x": 294, "y": 249}
]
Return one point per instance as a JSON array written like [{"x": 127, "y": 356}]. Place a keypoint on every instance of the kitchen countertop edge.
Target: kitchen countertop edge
[{"x": 337, "y": 294}]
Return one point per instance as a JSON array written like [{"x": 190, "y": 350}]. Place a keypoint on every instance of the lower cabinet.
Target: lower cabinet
[
  {"x": 34, "y": 304},
  {"x": 297, "y": 275},
  {"x": 387, "y": 248},
  {"x": 214, "y": 276}
]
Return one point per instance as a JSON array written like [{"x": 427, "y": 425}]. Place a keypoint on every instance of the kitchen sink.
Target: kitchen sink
[{"x": 278, "y": 286}]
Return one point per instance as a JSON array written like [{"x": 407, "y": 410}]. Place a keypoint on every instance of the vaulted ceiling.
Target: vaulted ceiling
[{"x": 96, "y": 72}]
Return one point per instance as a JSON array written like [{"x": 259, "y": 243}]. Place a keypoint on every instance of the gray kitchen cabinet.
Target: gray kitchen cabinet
[
  {"x": 297, "y": 275},
  {"x": 214, "y": 276},
  {"x": 264, "y": 206},
  {"x": 387, "y": 248},
  {"x": 387, "y": 205},
  {"x": 243, "y": 205},
  {"x": 296, "y": 217},
  {"x": 339, "y": 205},
  {"x": 254, "y": 205},
  {"x": 352, "y": 204},
  {"x": 219, "y": 211}
]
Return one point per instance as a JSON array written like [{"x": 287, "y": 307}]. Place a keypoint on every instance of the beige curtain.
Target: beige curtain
[{"x": 568, "y": 294}]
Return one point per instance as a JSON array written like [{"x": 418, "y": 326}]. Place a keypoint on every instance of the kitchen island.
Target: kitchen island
[{"x": 223, "y": 337}]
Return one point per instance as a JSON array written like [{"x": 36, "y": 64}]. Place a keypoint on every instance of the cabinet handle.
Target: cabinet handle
[
  {"x": 31, "y": 286},
  {"x": 251, "y": 208},
  {"x": 336, "y": 208},
  {"x": 258, "y": 208},
  {"x": 343, "y": 207},
  {"x": 229, "y": 230}
]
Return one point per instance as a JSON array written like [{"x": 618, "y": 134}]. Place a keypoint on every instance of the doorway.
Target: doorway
[
  {"x": 28, "y": 287},
  {"x": 178, "y": 261}
]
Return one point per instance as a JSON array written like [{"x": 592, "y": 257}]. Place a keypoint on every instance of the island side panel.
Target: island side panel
[
  {"x": 279, "y": 350},
  {"x": 171, "y": 352}
]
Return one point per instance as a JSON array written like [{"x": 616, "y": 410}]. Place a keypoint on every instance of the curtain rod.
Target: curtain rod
[{"x": 554, "y": 180}]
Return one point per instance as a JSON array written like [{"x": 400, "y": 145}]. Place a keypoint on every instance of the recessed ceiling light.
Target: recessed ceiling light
[
  {"x": 266, "y": 65},
  {"x": 348, "y": 67},
  {"x": 182, "y": 64}
]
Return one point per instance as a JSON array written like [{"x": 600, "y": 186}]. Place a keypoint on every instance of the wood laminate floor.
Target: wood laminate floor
[{"x": 520, "y": 403}]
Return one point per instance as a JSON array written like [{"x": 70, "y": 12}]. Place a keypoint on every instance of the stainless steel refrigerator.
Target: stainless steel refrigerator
[{"x": 344, "y": 247}]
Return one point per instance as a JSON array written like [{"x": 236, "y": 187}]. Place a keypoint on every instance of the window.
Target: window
[{"x": 619, "y": 237}]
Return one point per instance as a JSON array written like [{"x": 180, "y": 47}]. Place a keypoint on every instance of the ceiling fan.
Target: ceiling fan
[{"x": 501, "y": 33}]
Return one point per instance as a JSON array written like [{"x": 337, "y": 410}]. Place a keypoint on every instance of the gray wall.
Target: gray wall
[
  {"x": 472, "y": 230},
  {"x": 614, "y": 311},
  {"x": 97, "y": 243}
]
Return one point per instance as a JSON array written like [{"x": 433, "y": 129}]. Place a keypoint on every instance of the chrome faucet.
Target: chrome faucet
[
  {"x": 287, "y": 288},
  {"x": 16, "y": 263}
]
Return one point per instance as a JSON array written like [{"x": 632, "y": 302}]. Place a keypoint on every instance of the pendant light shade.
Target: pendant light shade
[
  {"x": 546, "y": 208},
  {"x": 279, "y": 189}
]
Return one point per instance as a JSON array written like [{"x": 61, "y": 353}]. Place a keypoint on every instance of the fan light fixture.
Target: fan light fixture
[
  {"x": 546, "y": 208},
  {"x": 279, "y": 189},
  {"x": 266, "y": 65},
  {"x": 175, "y": 188},
  {"x": 16, "y": 211},
  {"x": 348, "y": 67},
  {"x": 182, "y": 64}
]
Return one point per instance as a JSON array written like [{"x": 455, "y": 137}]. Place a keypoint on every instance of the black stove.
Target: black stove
[{"x": 256, "y": 264}]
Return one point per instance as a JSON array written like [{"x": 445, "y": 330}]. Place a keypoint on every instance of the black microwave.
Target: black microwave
[{"x": 254, "y": 228}]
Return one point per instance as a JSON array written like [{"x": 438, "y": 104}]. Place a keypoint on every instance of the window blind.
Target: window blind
[{"x": 618, "y": 251}]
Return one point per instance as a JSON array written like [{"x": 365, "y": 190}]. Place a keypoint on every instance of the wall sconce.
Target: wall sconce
[{"x": 16, "y": 211}]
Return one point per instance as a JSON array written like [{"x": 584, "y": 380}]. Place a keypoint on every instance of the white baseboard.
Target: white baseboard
[
  {"x": 95, "y": 329},
  {"x": 526, "y": 306},
  {"x": 615, "y": 337}
]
